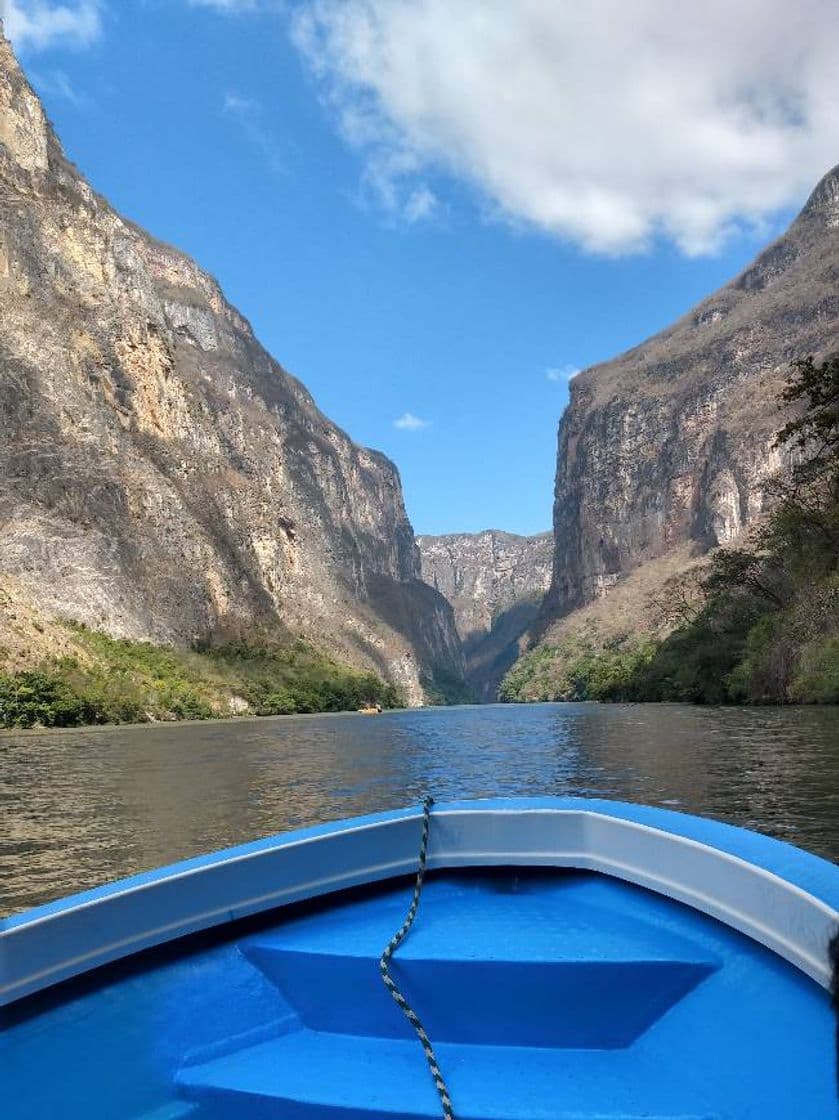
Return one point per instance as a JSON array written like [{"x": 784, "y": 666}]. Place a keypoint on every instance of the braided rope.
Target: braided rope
[{"x": 384, "y": 968}]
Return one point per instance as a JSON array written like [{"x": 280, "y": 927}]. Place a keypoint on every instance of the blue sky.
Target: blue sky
[{"x": 406, "y": 257}]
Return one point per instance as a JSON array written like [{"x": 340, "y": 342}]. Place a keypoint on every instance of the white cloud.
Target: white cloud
[
  {"x": 390, "y": 180},
  {"x": 420, "y": 204},
  {"x": 410, "y": 422},
  {"x": 247, "y": 113},
  {"x": 35, "y": 25},
  {"x": 563, "y": 373},
  {"x": 235, "y": 103},
  {"x": 227, "y": 5},
  {"x": 57, "y": 84},
  {"x": 240, "y": 7},
  {"x": 606, "y": 123}
]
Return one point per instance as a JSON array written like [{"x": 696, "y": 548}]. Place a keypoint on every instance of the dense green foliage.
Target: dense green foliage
[
  {"x": 765, "y": 626},
  {"x": 283, "y": 679},
  {"x": 576, "y": 670},
  {"x": 442, "y": 686},
  {"x": 121, "y": 681}
]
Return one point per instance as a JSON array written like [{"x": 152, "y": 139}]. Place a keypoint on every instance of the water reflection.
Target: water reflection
[{"x": 79, "y": 808}]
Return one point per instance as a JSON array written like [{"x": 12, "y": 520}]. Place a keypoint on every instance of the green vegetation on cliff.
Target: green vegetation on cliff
[
  {"x": 764, "y": 624},
  {"x": 121, "y": 681},
  {"x": 576, "y": 670},
  {"x": 442, "y": 687}
]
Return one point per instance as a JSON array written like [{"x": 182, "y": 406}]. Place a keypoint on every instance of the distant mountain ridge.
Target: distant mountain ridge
[
  {"x": 495, "y": 582},
  {"x": 161, "y": 476}
]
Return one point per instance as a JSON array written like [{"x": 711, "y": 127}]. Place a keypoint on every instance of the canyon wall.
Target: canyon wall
[
  {"x": 495, "y": 583},
  {"x": 161, "y": 476},
  {"x": 672, "y": 444}
]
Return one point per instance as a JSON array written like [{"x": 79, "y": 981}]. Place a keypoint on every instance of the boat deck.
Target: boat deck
[{"x": 558, "y": 994}]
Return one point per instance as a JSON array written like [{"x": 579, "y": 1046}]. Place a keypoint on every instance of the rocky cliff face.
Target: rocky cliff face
[
  {"x": 495, "y": 582},
  {"x": 673, "y": 441},
  {"x": 161, "y": 476}
]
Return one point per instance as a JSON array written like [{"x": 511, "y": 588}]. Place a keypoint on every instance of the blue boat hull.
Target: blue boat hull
[{"x": 570, "y": 960}]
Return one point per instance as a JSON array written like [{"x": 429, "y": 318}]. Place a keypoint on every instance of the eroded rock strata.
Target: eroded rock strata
[
  {"x": 673, "y": 441},
  {"x": 495, "y": 583},
  {"x": 161, "y": 476}
]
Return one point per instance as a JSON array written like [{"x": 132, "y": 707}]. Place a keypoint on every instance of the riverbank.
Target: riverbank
[
  {"x": 760, "y": 666},
  {"x": 756, "y": 626},
  {"x": 108, "y": 680}
]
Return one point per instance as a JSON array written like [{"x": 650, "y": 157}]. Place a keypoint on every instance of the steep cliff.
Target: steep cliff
[
  {"x": 161, "y": 476},
  {"x": 495, "y": 583},
  {"x": 673, "y": 442}
]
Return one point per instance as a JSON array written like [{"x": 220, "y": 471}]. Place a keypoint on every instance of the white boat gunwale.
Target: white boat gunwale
[{"x": 786, "y": 899}]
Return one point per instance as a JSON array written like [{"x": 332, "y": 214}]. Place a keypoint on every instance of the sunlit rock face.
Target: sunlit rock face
[
  {"x": 161, "y": 476},
  {"x": 495, "y": 583},
  {"x": 674, "y": 441}
]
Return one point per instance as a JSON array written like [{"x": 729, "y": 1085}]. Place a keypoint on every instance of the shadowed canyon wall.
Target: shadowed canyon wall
[{"x": 495, "y": 583}]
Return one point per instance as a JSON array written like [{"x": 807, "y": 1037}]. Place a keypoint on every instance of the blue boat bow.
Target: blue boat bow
[{"x": 573, "y": 958}]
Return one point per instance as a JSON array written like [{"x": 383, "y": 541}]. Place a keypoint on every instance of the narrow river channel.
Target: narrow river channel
[{"x": 82, "y": 807}]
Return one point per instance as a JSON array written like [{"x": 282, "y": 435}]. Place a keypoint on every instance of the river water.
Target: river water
[{"x": 82, "y": 807}]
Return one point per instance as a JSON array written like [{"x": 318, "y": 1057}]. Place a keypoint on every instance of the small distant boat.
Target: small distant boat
[
  {"x": 568, "y": 959},
  {"x": 371, "y": 710}
]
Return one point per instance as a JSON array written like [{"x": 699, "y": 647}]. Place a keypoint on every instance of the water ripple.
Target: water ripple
[{"x": 80, "y": 808}]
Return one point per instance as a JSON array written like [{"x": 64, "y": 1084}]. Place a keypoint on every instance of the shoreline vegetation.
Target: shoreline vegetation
[
  {"x": 117, "y": 681},
  {"x": 759, "y": 624}
]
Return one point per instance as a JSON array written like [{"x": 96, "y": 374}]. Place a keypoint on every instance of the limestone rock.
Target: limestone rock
[
  {"x": 495, "y": 582},
  {"x": 673, "y": 442},
  {"x": 161, "y": 476}
]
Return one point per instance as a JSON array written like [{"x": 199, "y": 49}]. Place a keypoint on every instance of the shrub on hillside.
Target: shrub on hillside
[
  {"x": 37, "y": 698},
  {"x": 121, "y": 681}
]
